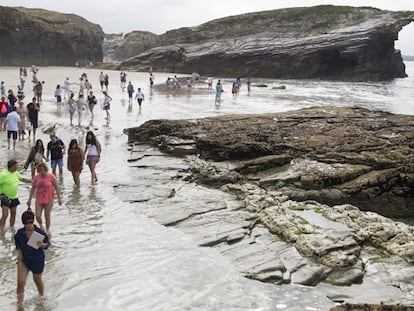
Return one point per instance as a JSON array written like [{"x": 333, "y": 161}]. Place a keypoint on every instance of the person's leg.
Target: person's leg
[
  {"x": 22, "y": 273},
  {"x": 37, "y": 278},
  {"x": 13, "y": 215},
  {"x": 76, "y": 178},
  {"x": 92, "y": 165},
  {"x": 34, "y": 134},
  {"x": 4, "y": 215},
  {"x": 53, "y": 164},
  {"x": 38, "y": 213},
  {"x": 60, "y": 163},
  {"x": 48, "y": 212}
]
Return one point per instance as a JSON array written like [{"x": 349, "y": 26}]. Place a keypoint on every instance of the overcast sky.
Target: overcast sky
[{"x": 158, "y": 16}]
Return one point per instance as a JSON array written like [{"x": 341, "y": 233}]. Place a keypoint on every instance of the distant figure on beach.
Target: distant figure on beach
[
  {"x": 33, "y": 111},
  {"x": 123, "y": 80},
  {"x": 249, "y": 85},
  {"x": 92, "y": 101},
  {"x": 66, "y": 86},
  {"x": 56, "y": 150},
  {"x": 11, "y": 98},
  {"x": 34, "y": 71},
  {"x": 189, "y": 83},
  {"x": 20, "y": 93},
  {"x": 209, "y": 83},
  {"x": 44, "y": 185},
  {"x": 75, "y": 161},
  {"x": 38, "y": 91},
  {"x": 2, "y": 89},
  {"x": 29, "y": 258},
  {"x": 22, "y": 112},
  {"x": 13, "y": 120},
  {"x": 71, "y": 104},
  {"x": 219, "y": 90},
  {"x": 93, "y": 154},
  {"x": 130, "y": 90},
  {"x": 151, "y": 80},
  {"x": 23, "y": 77},
  {"x": 9, "y": 181},
  {"x": 58, "y": 95},
  {"x": 107, "y": 105},
  {"x": 80, "y": 107},
  {"x": 101, "y": 79},
  {"x": 139, "y": 97},
  {"x": 4, "y": 108},
  {"x": 106, "y": 82},
  {"x": 36, "y": 156}
]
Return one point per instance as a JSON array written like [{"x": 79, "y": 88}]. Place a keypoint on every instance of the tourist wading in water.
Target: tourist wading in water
[
  {"x": 75, "y": 161},
  {"x": 29, "y": 258},
  {"x": 44, "y": 185},
  {"x": 93, "y": 154}
]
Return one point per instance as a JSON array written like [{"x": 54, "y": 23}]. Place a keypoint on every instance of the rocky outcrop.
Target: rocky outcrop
[
  {"x": 41, "y": 37},
  {"x": 331, "y": 155},
  {"x": 268, "y": 237},
  {"x": 325, "y": 42}
]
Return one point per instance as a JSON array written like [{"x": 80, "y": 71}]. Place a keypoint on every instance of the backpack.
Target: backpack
[{"x": 3, "y": 108}]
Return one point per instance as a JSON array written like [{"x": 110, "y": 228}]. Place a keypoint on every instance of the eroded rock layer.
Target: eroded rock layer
[
  {"x": 327, "y": 154},
  {"x": 326, "y": 42}
]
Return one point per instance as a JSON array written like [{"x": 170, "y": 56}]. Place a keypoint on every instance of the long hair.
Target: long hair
[
  {"x": 72, "y": 144},
  {"x": 38, "y": 148},
  {"x": 90, "y": 138}
]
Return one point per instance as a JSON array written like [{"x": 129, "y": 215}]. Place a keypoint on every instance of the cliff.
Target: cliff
[
  {"x": 323, "y": 42},
  {"x": 41, "y": 37}
]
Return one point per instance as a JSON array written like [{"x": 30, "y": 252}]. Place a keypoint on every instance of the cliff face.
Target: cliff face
[
  {"x": 324, "y": 42},
  {"x": 41, "y": 37}
]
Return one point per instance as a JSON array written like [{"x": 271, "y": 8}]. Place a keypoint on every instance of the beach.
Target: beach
[{"x": 108, "y": 255}]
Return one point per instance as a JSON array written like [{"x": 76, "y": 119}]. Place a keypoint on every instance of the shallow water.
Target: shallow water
[{"x": 106, "y": 254}]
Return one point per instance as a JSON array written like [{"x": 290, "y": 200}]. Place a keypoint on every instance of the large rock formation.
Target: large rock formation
[
  {"x": 331, "y": 155},
  {"x": 327, "y": 42},
  {"x": 41, "y": 37},
  {"x": 249, "y": 165}
]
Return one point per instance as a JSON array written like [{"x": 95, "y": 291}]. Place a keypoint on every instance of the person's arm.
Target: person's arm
[
  {"x": 47, "y": 152},
  {"x": 32, "y": 190},
  {"x": 98, "y": 147}
]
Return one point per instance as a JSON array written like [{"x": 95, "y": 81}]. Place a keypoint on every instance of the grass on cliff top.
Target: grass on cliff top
[{"x": 52, "y": 17}]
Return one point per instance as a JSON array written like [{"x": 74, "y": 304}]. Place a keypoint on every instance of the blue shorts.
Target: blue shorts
[{"x": 54, "y": 163}]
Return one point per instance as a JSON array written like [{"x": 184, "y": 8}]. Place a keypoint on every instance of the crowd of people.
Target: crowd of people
[{"x": 21, "y": 122}]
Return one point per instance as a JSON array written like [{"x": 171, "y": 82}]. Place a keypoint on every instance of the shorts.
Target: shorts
[
  {"x": 92, "y": 159},
  {"x": 58, "y": 98},
  {"x": 10, "y": 203},
  {"x": 12, "y": 133},
  {"x": 36, "y": 266},
  {"x": 34, "y": 123},
  {"x": 54, "y": 163}
]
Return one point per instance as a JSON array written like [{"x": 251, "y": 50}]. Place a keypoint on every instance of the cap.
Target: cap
[{"x": 27, "y": 215}]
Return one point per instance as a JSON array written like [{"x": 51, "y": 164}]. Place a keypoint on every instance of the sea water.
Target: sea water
[{"x": 106, "y": 254}]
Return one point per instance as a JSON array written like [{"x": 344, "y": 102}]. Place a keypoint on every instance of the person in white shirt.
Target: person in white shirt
[
  {"x": 13, "y": 120},
  {"x": 66, "y": 86},
  {"x": 139, "y": 97}
]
